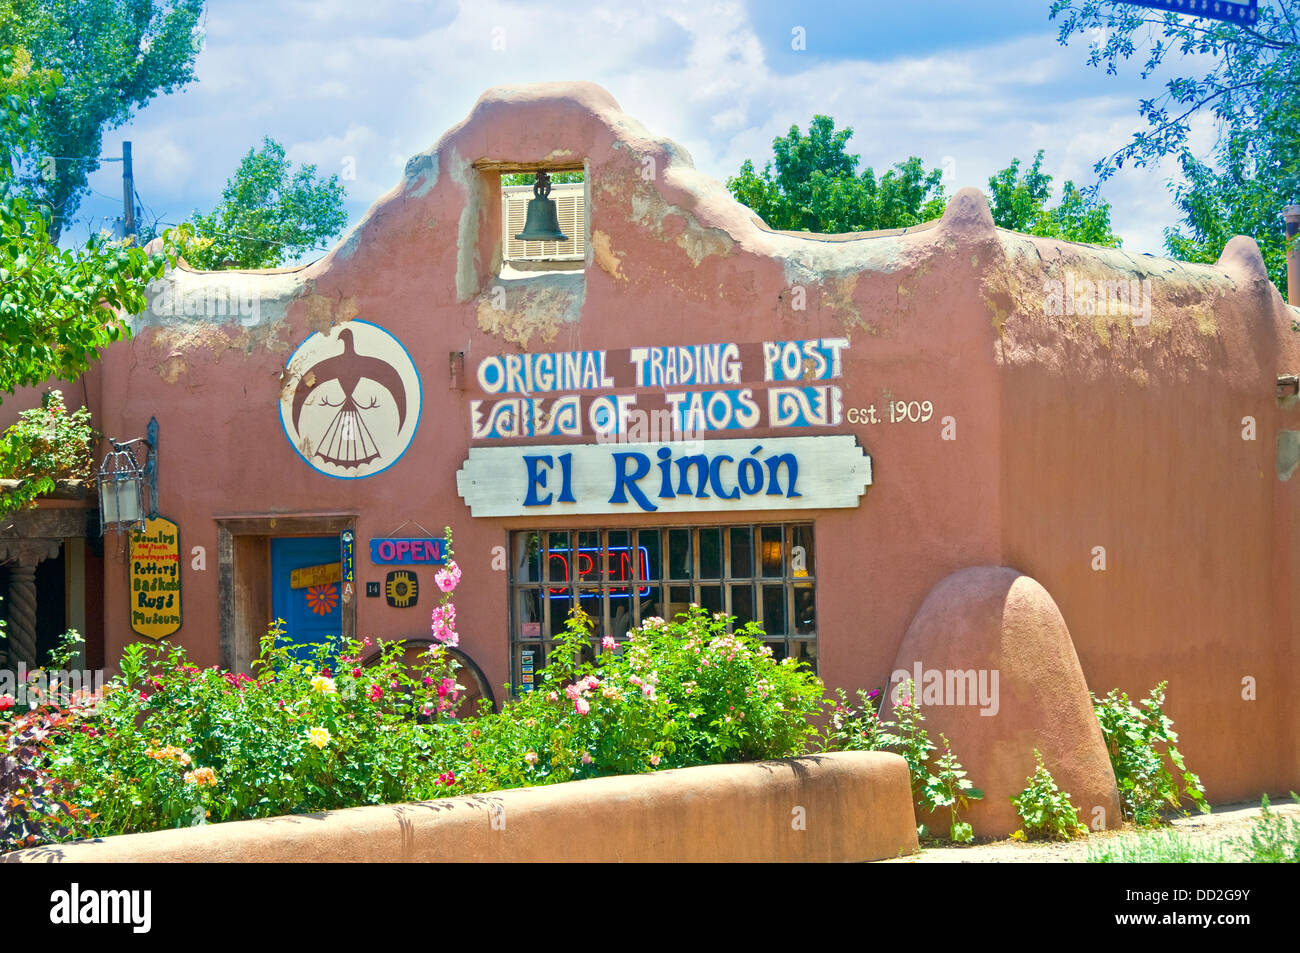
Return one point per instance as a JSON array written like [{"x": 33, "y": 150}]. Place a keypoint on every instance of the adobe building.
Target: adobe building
[{"x": 676, "y": 405}]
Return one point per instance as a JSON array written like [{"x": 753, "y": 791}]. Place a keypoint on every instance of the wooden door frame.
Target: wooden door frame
[{"x": 244, "y": 583}]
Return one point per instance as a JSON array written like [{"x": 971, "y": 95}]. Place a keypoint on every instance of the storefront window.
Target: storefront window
[{"x": 620, "y": 577}]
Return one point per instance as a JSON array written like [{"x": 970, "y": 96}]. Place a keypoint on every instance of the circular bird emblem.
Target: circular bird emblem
[{"x": 350, "y": 400}]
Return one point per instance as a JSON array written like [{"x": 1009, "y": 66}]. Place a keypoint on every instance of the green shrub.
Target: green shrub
[
  {"x": 46, "y": 444},
  {"x": 1272, "y": 839},
  {"x": 1157, "y": 847},
  {"x": 1045, "y": 808},
  {"x": 1134, "y": 735},
  {"x": 171, "y": 745},
  {"x": 937, "y": 783}
]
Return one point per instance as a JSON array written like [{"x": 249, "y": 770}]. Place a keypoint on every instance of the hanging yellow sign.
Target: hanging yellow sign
[
  {"x": 154, "y": 578},
  {"x": 316, "y": 576}
]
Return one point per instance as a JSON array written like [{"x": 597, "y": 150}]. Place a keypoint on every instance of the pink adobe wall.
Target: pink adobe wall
[{"x": 1071, "y": 431}]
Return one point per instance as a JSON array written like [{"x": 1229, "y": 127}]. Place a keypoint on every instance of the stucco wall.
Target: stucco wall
[
  {"x": 852, "y": 806},
  {"x": 1071, "y": 431}
]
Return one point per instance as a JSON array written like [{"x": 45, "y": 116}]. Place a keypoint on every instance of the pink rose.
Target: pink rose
[{"x": 582, "y": 706}]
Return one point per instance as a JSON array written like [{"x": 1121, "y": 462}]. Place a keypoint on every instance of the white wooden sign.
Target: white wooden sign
[{"x": 778, "y": 473}]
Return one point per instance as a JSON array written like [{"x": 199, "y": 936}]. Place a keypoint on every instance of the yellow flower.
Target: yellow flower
[
  {"x": 320, "y": 737},
  {"x": 323, "y": 684}
]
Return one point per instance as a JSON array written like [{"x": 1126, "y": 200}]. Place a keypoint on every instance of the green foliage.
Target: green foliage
[
  {"x": 113, "y": 56},
  {"x": 937, "y": 782},
  {"x": 172, "y": 745},
  {"x": 1019, "y": 202},
  {"x": 1157, "y": 847},
  {"x": 1272, "y": 838},
  {"x": 269, "y": 214},
  {"x": 1045, "y": 808},
  {"x": 1134, "y": 735},
  {"x": 528, "y": 178},
  {"x": 45, "y": 445},
  {"x": 57, "y": 308},
  {"x": 813, "y": 185},
  {"x": 1248, "y": 88}
]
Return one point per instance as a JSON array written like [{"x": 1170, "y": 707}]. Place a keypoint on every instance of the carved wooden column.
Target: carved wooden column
[
  {"x": 23, "y": 558},
  {"x": 26, "y": 539}
]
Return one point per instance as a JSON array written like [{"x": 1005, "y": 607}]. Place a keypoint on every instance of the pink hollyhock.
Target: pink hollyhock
[
  {"x": 445, "y": 686},
  {"x": 582, "y": 706},
  {"x": 448, "y": 578}
]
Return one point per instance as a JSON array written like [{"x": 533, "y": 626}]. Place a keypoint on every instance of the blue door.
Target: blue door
[{"x": 306, "y": 591}]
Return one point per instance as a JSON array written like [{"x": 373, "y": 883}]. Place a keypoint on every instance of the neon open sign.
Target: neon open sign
[{"x": 561, "y": 564}]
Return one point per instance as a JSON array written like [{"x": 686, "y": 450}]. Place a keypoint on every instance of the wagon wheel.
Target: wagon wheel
[{"x": 469, "y": 674}]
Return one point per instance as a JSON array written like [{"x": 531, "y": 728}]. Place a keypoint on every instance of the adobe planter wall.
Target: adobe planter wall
[{"x": 847, "y": 806}]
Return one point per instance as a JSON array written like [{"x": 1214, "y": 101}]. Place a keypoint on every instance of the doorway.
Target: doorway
[
  {"x": 256, "y": 552},
  {"x": 306, "y": 587}
]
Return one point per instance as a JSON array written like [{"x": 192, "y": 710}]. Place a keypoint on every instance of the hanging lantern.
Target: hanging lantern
[
  {"x": 543, "y": 221},
  {"x": 128, "y": 493}
]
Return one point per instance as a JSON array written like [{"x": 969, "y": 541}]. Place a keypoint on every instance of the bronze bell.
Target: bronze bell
[{"x": 543, "y": 222}]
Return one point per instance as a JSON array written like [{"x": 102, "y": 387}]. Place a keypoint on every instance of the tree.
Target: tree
[
  {"x": 1250, "y": 88},
  {"x": 57, "y": 308},
  {"x": 812, "y": 184},
  {"x": 1018, "y": 202},
  {"x": 268, "y": 214},
  {"x": 113, "y": 57}
]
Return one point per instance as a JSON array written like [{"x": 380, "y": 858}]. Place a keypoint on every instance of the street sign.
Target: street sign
[{"x": 1230, "y": 11}]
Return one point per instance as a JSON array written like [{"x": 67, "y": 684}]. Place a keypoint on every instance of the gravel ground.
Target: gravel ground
[{"x": 1226, "y": 821}]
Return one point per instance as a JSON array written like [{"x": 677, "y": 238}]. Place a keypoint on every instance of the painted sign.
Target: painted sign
[
  {"x": 154, "y": 579},
  {"x": 316, "y": 576},
  {"x": 422, "y": 550},
  {"x": 1232, "y": 11},
  {"x": 350, "y": 402},
  {"x": 346, "y": 564},
  {"x": 402, "y": 589},
  {"x": 781, "y": 473},
  {"x": 693, "y": 389}
]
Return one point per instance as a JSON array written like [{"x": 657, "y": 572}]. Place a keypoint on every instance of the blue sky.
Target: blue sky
[{"x": 965, "y": 84}]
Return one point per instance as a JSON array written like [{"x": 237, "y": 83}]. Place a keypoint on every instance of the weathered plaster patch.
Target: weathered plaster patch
[
  {"x": 421, "y": 174},
  {"x": 650, "y": 209},
  {"x": 1288, "y": 453},
  {"x": 467, "y": 177},
  {"x": 323, "y": 311},
  {"x": 533, "y": 307},
  {"x": 609, "y": 260}
]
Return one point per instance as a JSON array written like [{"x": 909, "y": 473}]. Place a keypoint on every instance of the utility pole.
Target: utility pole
[{"x": 128, "y": 190}]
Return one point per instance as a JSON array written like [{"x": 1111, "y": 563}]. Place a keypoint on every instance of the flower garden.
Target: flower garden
[{"x": 166, "y": 744}]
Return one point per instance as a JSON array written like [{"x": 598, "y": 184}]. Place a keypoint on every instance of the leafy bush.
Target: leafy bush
[
  {"x": 937, "y": 783},
  {"x": 1133, "y": 735},
  {"x": 46, "y": 444},
  {"x": 675, "y": 694},
  {"x": 1272, "y": 839},
  {"x": 168, "y": 744},
  {"x": 1045, "y": 808}
]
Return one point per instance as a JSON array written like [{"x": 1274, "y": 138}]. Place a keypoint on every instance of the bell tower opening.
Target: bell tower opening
[{"x": 544, "y": 214}]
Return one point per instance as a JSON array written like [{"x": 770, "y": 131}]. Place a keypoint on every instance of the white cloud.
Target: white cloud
[{"x": 381, "y": 80}]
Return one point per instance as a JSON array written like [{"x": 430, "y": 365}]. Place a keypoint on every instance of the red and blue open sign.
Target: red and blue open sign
[
  {"x": 421, "y": 550},
  {"x": 584, "y": 569}
]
